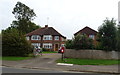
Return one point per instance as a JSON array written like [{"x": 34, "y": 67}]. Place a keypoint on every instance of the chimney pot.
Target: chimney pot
[{"x": 46, "y": 26}]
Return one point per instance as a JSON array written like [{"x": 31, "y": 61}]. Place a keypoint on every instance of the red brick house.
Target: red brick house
[
  {"x": 89, "y": 32},
  {"x": 46, "y": 37}
]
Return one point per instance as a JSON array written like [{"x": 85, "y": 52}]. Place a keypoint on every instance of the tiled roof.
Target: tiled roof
[
  {"x": 45, "y": 31},
  {"x": 87, "y": 31}
]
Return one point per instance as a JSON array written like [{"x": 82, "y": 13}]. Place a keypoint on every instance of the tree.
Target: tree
[
  {"x": 82, "y": 42},
  {"x": 21, "y": 11},
  {"x": 24, "y": 16},
  {"x": 14, "y": 43},
  {"x": 107, "y": 34},
  {"x": 118, "y": 39},
  {"x": 24, "y": 26},
  {"x": 69, "y": 44}
]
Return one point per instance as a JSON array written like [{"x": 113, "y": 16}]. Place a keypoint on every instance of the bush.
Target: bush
[
  {"x": 99, "y": 46},
  {"x": 45, "y": 49},
  {"x": 82, "y": 42},
  {"x": 69, "y": 44},
  {"x": 15, "y": 44}
]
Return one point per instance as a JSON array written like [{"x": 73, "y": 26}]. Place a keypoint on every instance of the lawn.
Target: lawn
[
  {"x": 88, "y": 61},
  {"x": 13, "y": 58}
]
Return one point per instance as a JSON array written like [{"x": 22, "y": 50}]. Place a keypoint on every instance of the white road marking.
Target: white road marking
[
  {"x": 64, "y": 64},
  {"x": 73, "y": 72}
]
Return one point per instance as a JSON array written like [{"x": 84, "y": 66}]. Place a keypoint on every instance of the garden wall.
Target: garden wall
[{"x": 91, "y": 54}]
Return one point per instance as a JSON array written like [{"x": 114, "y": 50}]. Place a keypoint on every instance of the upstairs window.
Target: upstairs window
[
  {"x": 47, "y": 37},
  {"x": 92, "y": 37},
  {"x": 56, "y": 37},
  {"x": 35, "y": 37},
  {"x": 27, "y": 37}
]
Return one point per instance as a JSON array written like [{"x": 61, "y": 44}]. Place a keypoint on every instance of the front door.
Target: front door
[{"x": 56, "y": 47}]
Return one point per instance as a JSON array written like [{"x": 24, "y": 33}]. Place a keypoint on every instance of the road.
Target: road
[{"x": 24, "y": 70}]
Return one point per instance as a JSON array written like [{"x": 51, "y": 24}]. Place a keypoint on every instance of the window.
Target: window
[
  {"x": 47, "y": 37},
  {"x": 91, "y": 36},
  {"x": 35, "y": 37},
  {"x": 36, "y": 44},
  {"x": 47, "y": 45},
  {"x": 56, "y": 37},
  {"x": 27, "y": 37}
]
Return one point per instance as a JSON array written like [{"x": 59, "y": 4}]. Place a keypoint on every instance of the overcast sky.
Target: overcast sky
[{"x": 66, "y": 16}]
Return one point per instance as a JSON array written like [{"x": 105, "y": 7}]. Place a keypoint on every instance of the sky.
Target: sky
[{"x": 66, "y": 16}]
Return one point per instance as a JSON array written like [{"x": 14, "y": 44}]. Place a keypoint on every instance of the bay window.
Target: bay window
[
  {"x": 47, "y": 45},
  {"x": 36, "y": 44}
]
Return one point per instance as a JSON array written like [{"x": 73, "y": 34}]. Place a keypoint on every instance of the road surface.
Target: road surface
[{"x": 24, "y": 70}]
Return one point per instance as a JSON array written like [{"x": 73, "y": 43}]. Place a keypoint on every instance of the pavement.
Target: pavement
[{"x": 47, "y": 62}]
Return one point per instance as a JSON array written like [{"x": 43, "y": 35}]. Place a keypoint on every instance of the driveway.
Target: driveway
[{"x": 47, "y": 59}]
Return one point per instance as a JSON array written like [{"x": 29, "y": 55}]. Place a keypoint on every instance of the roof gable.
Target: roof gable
[{"x": 87, "y": 30}]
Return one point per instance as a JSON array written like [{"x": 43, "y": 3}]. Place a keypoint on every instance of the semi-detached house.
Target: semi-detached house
[{"x": 46, "y": 37}]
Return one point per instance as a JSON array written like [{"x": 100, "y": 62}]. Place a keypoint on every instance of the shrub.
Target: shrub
[
  {"x": 69, "y": 44},
  {"x": 99, "y": 46},
  {"x": 14, "y": 43},
  {"x": 82, "y": 42},
  {"x": 45, "y": 49}
]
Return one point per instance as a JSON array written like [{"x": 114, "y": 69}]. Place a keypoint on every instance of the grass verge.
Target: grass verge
[{"x": 88, "y": 61}]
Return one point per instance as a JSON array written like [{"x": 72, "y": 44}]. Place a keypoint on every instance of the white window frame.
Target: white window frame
[
  {"x": 27, "y": 37},
  {"x": 47, "y": 37},
  {"x": 47, "y": 45},
  {"x": 36, "y": 44},
  {"x": 92, "y": 36},
  {"x": 57, "y": 37},
  {"x": 35, "y": 37}
]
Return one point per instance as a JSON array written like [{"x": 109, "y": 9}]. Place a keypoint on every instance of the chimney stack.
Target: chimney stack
[{"x": 46, "y": 26}]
